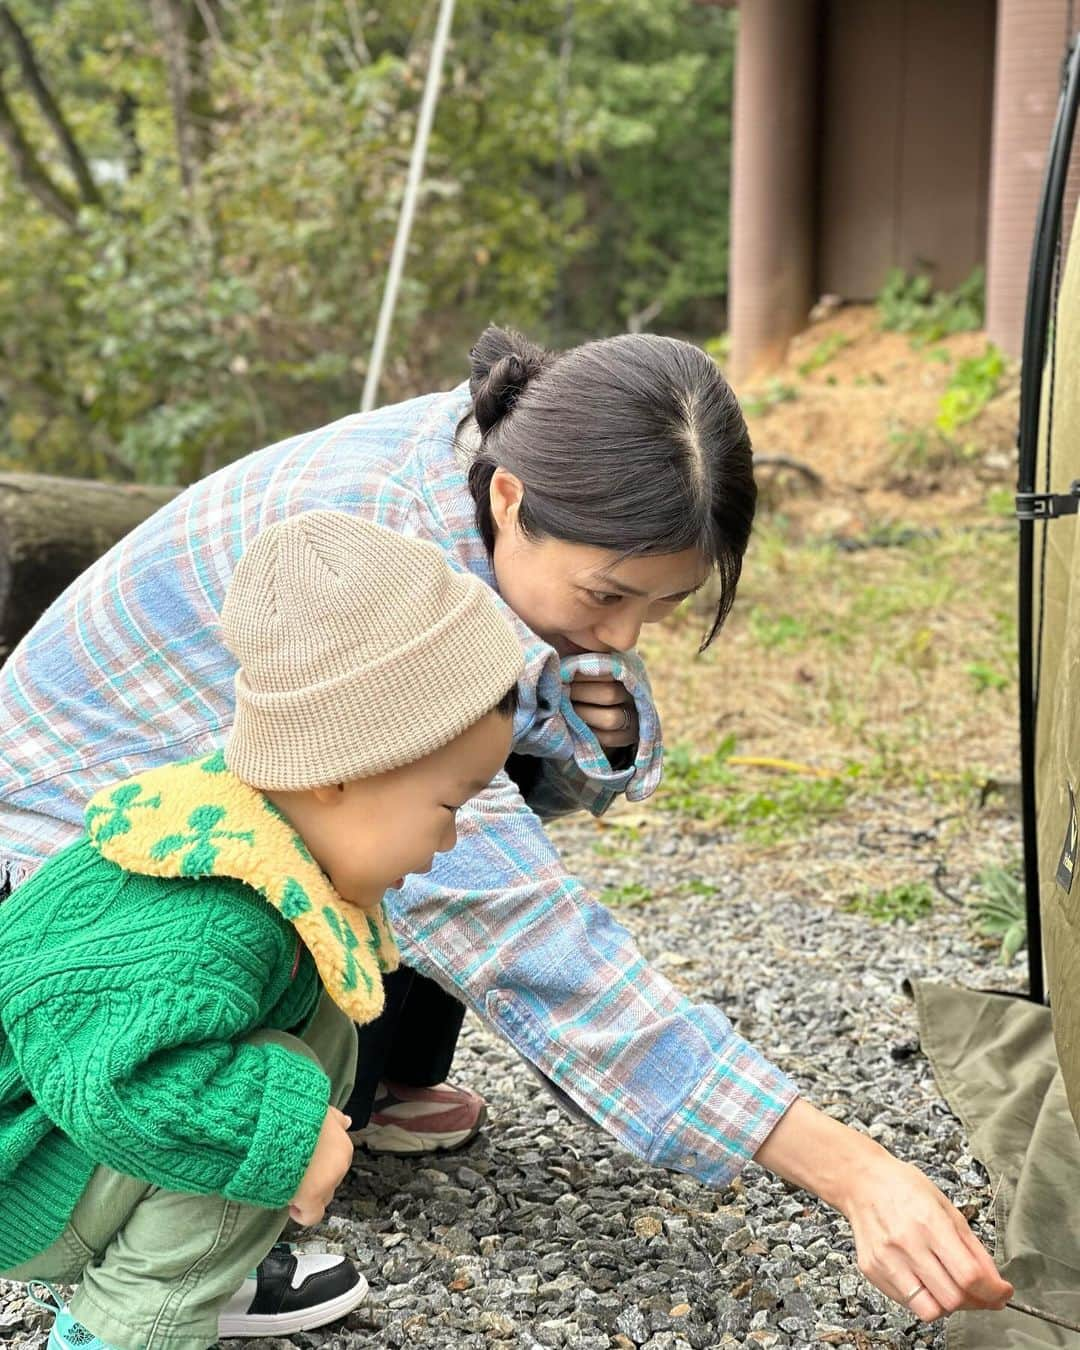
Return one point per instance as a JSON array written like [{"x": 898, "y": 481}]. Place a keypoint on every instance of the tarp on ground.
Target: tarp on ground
[{"x": 995, "y": 1063}]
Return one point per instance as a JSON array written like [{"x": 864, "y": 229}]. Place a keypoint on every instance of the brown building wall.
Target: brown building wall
[
  {"x": 905, "y": 132},
  {"x": 774, "y": 170},
  {"x": 879, "y": 133},
  {"x": 1030, "y": 43}
]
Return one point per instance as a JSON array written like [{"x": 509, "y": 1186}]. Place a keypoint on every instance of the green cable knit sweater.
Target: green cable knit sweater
[{"x": 126, "y": 1001}]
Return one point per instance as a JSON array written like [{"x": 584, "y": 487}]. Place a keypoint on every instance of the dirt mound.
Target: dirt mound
[{"x": 858, "y": 407}]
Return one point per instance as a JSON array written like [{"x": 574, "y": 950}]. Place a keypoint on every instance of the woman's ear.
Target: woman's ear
[{"x": 505, "y": 494}]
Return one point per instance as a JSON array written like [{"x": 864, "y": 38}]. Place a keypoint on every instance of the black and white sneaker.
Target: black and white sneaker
[{"x": 292, "y": 1291}]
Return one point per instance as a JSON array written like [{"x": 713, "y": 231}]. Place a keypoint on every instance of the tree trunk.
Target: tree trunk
[{"x": 51, "y": 530}]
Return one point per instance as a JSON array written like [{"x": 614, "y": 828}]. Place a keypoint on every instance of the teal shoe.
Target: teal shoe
[{"x": 66, "y": 1333}]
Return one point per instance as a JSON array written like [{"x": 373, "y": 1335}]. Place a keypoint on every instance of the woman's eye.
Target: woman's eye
[{"x": 603, "y": 597}]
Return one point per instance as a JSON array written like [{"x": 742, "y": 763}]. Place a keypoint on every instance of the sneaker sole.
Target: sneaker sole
[
  {"x": 398, "y": 1139},
  {"x": 281, "y": 1324}
]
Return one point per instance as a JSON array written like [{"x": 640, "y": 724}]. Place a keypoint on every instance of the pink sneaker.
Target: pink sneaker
[{"x": 421, "y": 1119}]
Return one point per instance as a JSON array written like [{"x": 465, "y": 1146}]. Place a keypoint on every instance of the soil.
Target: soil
[{"x": 853, "y": 421}]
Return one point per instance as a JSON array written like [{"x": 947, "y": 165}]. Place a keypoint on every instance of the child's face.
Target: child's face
[{"x": 368, "y": 834}]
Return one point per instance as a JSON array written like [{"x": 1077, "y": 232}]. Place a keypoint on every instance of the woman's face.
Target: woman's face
[{"x": 579, "y": 598}]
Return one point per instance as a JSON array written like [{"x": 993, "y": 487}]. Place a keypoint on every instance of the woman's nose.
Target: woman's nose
[{"x": 621, "y": 632}]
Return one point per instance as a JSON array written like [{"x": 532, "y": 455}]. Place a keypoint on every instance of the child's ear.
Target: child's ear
[{"x": 326, "y": 796}]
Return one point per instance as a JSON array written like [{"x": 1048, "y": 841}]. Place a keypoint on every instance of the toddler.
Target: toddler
[{"x": 178, "y": 987}]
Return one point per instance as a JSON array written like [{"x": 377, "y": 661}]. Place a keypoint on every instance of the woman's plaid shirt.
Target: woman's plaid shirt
[{"x": 127, "y": 670}]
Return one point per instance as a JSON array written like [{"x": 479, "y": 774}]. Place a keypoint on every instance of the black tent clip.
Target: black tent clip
[{"x": 1048, "y": 505}]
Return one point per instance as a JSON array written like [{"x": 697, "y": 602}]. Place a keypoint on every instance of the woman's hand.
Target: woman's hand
[
  {"x": 329, "y": 1163},
  {"x": 607, "y": 707},
  {"x": 915, "y": 1246},
  {"x": 910, "y": 1241}
]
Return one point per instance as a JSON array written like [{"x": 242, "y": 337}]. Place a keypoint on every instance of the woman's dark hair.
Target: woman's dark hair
[{"x": 634, "y": 444}]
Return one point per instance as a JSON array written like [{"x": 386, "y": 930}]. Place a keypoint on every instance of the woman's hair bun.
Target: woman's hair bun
[{"x": 503, "y": 363}]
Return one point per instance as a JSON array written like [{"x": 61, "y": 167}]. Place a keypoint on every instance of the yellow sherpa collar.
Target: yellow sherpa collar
[{"x": 197, "y": 819}]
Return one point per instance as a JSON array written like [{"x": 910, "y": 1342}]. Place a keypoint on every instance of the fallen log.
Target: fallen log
[{"x": 51, "y": 530}]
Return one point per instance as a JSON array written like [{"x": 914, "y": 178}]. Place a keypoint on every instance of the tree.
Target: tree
[{"x": 198, "y": 200}]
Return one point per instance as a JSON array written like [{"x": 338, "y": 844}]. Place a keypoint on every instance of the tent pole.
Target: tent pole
[{"x": 1036, "y": 328}]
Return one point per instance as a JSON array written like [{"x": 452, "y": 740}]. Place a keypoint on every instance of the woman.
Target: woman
[{"x": 593, "y": 490}]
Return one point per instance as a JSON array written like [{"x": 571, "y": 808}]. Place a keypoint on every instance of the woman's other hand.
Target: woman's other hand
[
  {"x": 911, "y": 1243},
  {"x": 607, "y": 707}
]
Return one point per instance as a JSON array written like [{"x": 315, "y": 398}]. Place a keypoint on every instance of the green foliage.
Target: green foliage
[
  {"x": 824, "y": 352},
  {"x": 709, "y": 788},
  {"x": 705, "y": 889},
  {"x": 629, "y": 895},
  {"x": 971, "y": 386},
  {"x": 776, "y": 630},
  {"x": 986, "y": 677},
  {"x": 911, "y": 305},
  {"x": 1000, "y": 502},
  {"x": 999, "y": 909},
  {"x": 904, "y": 903},
  {"x": 196, "y": 316},
  {"x": 764, "y": 401}
]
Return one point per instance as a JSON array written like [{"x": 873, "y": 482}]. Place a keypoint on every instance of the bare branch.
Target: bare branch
[
  {"x": 29, "y": 169},
  {"x": 356, "y": 29},
  {"x": 50, "y": 109}
]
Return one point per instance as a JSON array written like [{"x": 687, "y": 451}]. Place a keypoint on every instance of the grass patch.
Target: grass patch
[
  {"x": 971, "y": 386},
  {"x": 874, "y": 657},
  {"x": 708, "y": 787},
  {"x": 765, "y": 400},
  {"x": 906, "y": 903},
  {"x": 626, "y": 896},
  {"x": 823, "y": 353}
]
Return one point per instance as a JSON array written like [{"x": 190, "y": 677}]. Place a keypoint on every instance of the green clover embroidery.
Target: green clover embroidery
[
  {"x": 214, "y": 763},
  {"x": 294, "y": 900},
  {"x": 124, "y": 799},
  {"x": 200, "y": 859},
  {"x": 342, "y": 930}
]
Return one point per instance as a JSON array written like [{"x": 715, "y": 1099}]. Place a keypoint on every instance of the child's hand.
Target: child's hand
[{"x": 329, "y": 1163}]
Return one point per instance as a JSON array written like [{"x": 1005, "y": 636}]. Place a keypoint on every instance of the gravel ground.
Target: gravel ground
[{"x": 544, "y": 1233}]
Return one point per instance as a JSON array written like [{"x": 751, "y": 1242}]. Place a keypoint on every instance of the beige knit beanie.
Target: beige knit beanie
[{"x": 359, "y": 649}]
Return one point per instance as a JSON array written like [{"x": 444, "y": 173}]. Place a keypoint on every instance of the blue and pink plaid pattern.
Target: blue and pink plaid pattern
[{"x": 126, "y": 670}]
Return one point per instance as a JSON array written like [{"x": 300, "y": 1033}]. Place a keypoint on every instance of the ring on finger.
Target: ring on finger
[
  {"x": 627, "y": 718},
  {"x": 917, "y": 1290}
]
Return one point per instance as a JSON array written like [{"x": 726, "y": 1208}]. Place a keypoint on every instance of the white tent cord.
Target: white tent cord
[{"x": 408, "y": 204}]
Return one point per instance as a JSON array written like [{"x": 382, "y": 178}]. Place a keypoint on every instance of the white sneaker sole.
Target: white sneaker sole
[
  {"x": 282, "y": 1324},
  {"x": 395, "y": 1139}
]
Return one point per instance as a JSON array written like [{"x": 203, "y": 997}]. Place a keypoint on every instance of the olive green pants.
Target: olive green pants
[{"x": 155, "y": 1267}]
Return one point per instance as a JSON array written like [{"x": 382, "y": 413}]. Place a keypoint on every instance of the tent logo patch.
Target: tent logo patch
[{"x": 1067, "y": 862}]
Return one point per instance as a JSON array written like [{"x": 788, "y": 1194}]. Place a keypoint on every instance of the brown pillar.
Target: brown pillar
[
  {"x": 771, "y": 278},
  {"x": 1027, "y": 81}
]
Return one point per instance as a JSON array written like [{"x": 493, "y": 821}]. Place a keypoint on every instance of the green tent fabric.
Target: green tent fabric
[
  {"x": 1010, "y": 1068},
  {"x": 995, "y": 1064},
  {"x": 1057, "y": 667}
]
